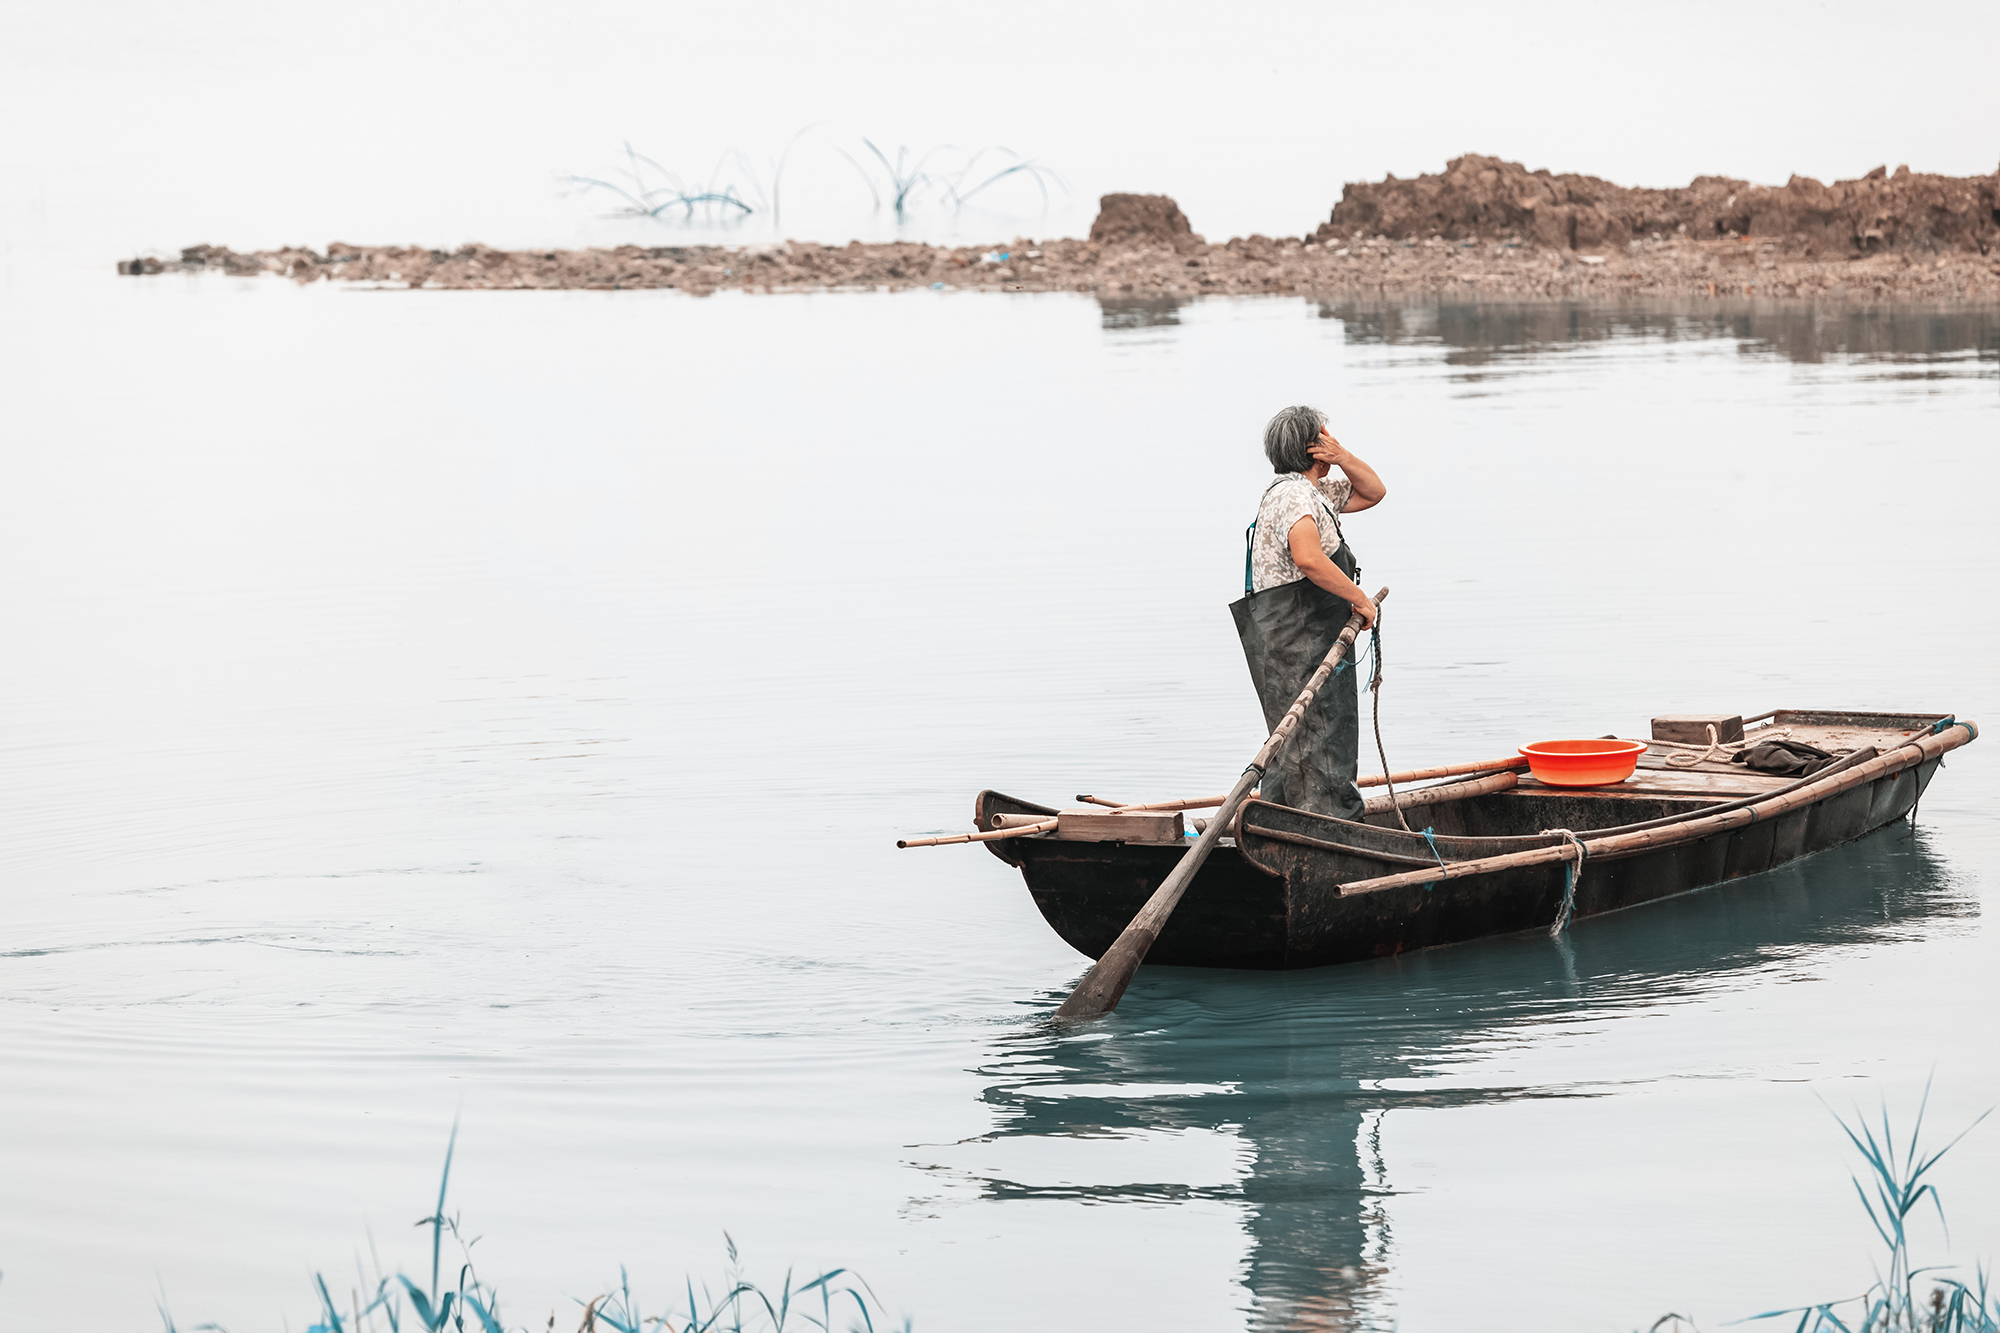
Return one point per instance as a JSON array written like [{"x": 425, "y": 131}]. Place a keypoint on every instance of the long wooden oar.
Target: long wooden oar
[{"x": 1099, "y": 991}]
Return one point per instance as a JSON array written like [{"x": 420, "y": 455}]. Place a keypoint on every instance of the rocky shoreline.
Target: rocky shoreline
[{"x": 1482, "y": 229}]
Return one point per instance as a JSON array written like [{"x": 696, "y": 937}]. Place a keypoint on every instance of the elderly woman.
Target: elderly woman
[{"x": 1299, "y": 589}]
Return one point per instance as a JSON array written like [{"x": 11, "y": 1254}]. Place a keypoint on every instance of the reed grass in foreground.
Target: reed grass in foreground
[
  {"x": 1894, "y": 1185},
  {"x": 1905, "y": 1298},
  {"x": 468, "y": 1304}
]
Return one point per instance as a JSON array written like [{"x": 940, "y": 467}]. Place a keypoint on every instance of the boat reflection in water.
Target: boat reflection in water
[{"x": 1302, "y": 1068}]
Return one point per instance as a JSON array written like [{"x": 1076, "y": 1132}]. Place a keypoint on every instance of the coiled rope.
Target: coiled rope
[{"x": 1715, "y": 746}]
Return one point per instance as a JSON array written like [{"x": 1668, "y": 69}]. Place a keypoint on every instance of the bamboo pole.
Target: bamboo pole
[
  {"x": 1904, "y": 756},
  {"x": 1160, "y": 807},
  {"x": 1374, "y": 780},
  {"x": 1449, "y": 791},
  {"x": 993, "y": 836},
  {"x": 1448, "y": 771},
  {"x": 1099, "y": 991}
]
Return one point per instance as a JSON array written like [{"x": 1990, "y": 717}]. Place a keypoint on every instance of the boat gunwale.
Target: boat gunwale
[
  {"x": 1526, "y": 841},
  {"x": 1607, "y": 845},
  {"x": 1366, "y": 839}
]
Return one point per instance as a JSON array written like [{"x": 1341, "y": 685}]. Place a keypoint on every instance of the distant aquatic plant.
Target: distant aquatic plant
[
  {"x": 470, "y": 1305},
  {"x": 906, "y": 177},
  {"x": 1898, "y": 1302},
  {"x": 737, "y": 188},
  {"x": 649, "y": 189}
]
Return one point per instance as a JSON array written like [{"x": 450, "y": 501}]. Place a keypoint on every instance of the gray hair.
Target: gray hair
[{"x": 1288, "y": 439}]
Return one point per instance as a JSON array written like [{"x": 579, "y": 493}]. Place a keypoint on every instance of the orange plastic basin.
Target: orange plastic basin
[{"x": 1583, "y": 763}]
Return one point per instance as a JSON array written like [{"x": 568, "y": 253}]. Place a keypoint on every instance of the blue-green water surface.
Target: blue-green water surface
[{"x": 503, "y": 706}]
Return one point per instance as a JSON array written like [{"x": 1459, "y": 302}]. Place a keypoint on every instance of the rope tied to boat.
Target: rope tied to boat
[
  {"x": 1375, "y": 688},
  {"x": 1572, "y": 872},
  {"x": 1430, "y": 836},
  {"x": 1937, "y": 729},
  {"x": 1728, "y": 749}
]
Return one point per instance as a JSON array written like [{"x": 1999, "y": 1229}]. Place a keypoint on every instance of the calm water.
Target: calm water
[{"x": 503, "y": 706}]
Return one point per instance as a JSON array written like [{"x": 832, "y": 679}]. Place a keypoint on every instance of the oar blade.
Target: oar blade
[{"x": 1104, "y": 985}]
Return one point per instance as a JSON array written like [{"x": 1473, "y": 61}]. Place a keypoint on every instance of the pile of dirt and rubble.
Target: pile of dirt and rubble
[
  {"x": 1486, "y": 199},
  {"x": 1143, "y": 219},
  {"x": 1482, "y": 228}
]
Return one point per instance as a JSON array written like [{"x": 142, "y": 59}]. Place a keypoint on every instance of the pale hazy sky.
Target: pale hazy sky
[{"x": 133, "y": 126}]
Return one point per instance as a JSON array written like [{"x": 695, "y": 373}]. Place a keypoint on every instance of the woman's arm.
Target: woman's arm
[
  {"x": 1368, "y": 488},
  {"x": 1312, "y": 561}
]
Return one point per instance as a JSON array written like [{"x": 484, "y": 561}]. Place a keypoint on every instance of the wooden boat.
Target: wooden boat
[{"x": 1295, "y": 889}]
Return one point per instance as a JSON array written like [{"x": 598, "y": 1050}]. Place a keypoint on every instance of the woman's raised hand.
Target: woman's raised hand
[{"x": 1327, "y": 450}]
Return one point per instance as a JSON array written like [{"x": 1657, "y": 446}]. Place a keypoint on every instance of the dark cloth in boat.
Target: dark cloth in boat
[
  {"x": 1287, "y": 632},
  {"x": 1785, "y": 759}
]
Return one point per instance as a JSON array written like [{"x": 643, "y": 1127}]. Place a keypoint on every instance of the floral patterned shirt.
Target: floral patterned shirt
[{"x": 1287, "y": 500}]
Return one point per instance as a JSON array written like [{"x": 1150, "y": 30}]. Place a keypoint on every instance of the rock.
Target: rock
[
  {"x": 1482, "y": 198},
  {"x": 1131, "y": 219}
]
